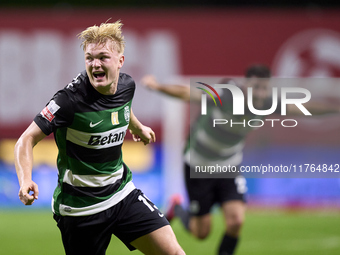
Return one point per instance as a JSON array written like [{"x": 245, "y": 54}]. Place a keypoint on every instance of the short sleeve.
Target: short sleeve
[{"x": 57, "y": 113}]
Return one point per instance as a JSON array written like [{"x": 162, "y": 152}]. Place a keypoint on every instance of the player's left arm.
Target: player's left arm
[
  {"x": 315, "y": 108},
  {"x": 180, "y": 91},
  {"x": 140, "y": 133}
]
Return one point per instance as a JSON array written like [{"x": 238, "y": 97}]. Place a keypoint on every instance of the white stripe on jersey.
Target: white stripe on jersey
[
  {"x": 220, "y": 149},
  {"x": 92, "y": 180},
  {"x": 192, "y": 158},
  {"x": 66, "y": 210}
]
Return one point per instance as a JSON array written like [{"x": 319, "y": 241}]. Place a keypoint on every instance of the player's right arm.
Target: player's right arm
[
  {"x": 23, "y": 154},
  {"x": 174, "y": 90}
]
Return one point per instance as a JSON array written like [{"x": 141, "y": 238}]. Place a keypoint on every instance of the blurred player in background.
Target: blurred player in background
[
  {"x": 228, "y": 192},
  {"x": 95, "y": 196},
  {"x": 224, "y": 146}
]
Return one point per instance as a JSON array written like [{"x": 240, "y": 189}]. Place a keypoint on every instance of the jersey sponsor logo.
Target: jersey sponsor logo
[
  {"x": 99, "y": 140},
  {"x": 95, "y": 124},
  {"x": 102, "y": 140},
  {"x": 127, "y": 113},
  {"x": 47, "y": 114},
  {"x": 49, "y": 111},
  {"x": 114, "y": 118}
]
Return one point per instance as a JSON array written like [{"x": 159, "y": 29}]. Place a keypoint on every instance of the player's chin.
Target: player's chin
[
  {"x": 99, "y": 80},
  {"x": 99, "y": 83}
]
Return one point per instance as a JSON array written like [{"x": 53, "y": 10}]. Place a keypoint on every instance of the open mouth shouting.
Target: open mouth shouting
[{"x": 99, "y": 75}]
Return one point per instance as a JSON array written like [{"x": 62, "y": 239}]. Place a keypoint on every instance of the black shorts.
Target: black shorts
[
  {"x": 133, "y": 217},
  {"x": 204, "y": 193}
]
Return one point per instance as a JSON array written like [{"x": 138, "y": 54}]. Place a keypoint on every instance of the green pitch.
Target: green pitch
[{"x": 32, "y": 232}]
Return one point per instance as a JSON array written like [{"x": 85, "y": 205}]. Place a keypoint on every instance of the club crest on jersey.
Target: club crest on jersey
[
  {"x": 127, "y": 113},
  {"x": 114, "y": 118},
  {"x": 49, "y": 111}
]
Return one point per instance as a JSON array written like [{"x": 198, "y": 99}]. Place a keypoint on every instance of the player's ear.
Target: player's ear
[{"x": 121, "y": 61}]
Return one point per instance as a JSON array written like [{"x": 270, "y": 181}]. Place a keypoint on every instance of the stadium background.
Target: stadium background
[{"x": 39, "y": 54}]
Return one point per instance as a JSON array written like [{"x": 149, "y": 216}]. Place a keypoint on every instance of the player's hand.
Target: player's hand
[
  {"x": 150, "y": 82},
  {"x": 145, "y": 135},
  {"x": 24, "y": 193}
]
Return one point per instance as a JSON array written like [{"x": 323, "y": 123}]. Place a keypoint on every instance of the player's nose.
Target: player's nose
[{"x": 96, "y": 63}]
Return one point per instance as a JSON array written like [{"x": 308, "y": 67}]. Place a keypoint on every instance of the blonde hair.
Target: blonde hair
[{"x": 100, "y": 35}]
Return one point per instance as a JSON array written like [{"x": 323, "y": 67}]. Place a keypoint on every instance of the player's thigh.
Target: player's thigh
[
  {"x": 200, "y": 226},
  {"x": 231, "y": 192},
  {"x": 84, "y": 234},
  {"x": 138, "y": 217},
  {"x": 234, "y": 213},
  {"x": 159, "y": 242}
]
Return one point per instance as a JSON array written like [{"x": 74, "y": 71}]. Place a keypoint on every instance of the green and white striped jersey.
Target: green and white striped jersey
[{"x": 89, "y": 129}]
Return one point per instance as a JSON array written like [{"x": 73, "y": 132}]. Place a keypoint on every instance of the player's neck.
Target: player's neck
[{"x": 108, "y": 90}]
